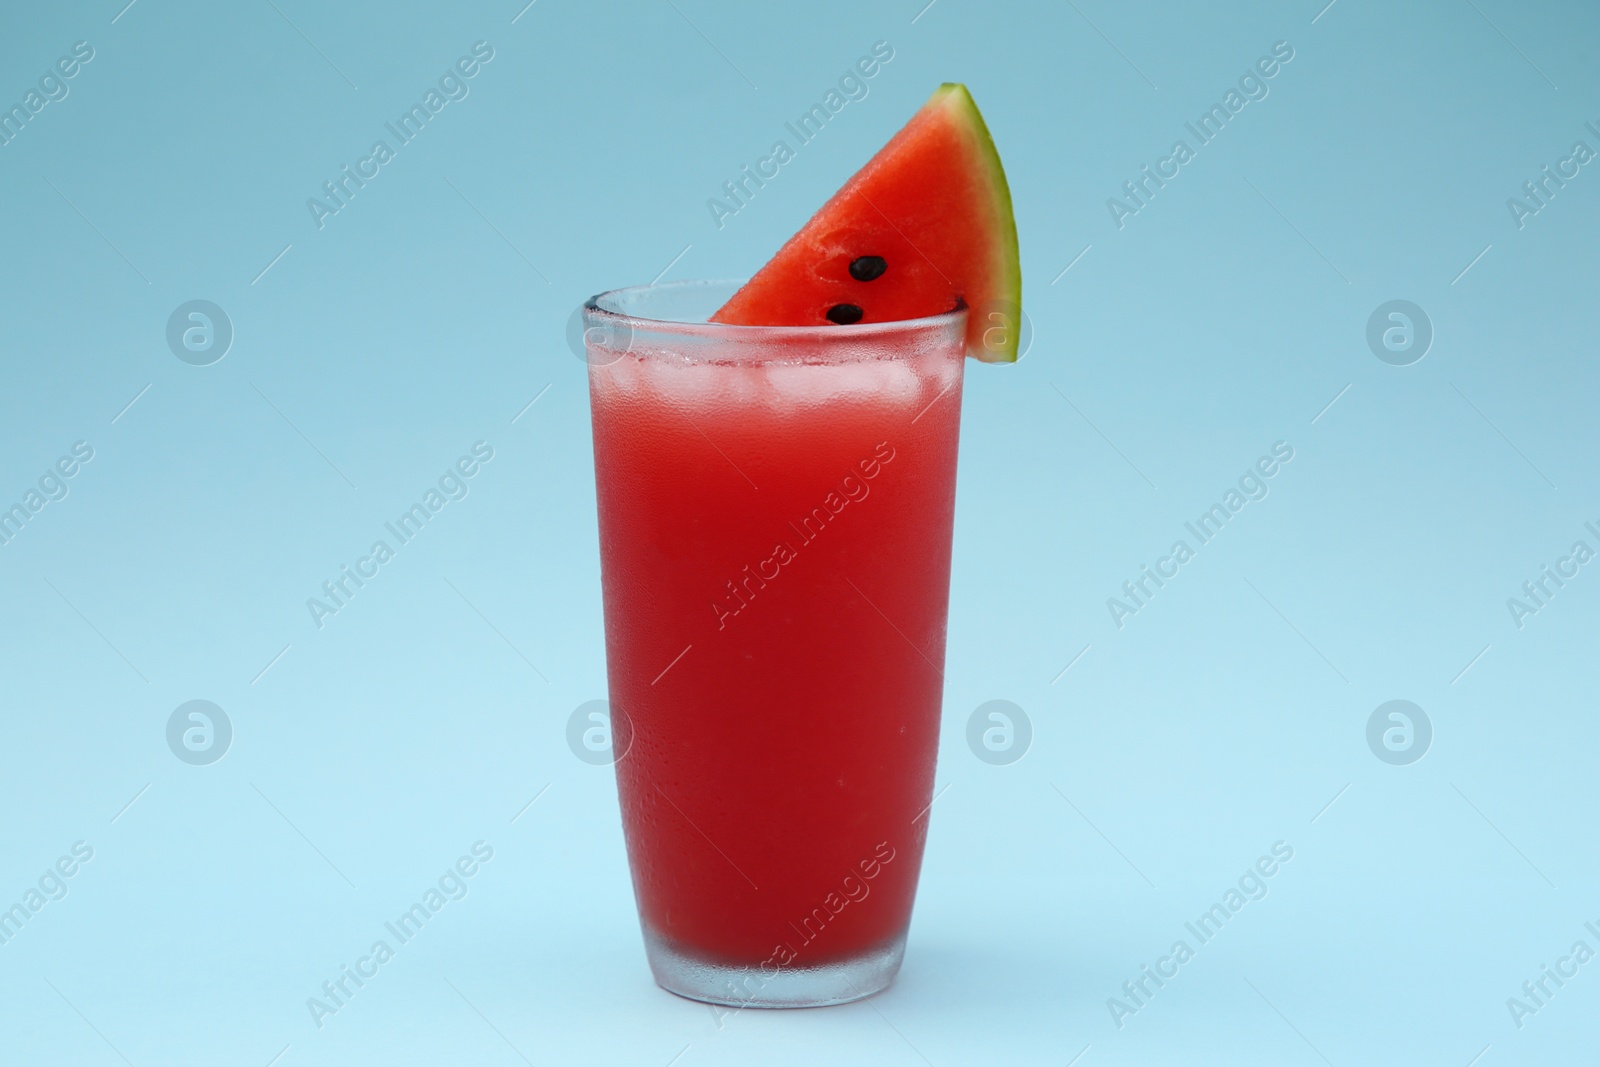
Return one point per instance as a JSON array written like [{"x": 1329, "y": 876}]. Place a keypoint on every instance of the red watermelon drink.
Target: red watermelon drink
[{"x": 776, "y": 494}]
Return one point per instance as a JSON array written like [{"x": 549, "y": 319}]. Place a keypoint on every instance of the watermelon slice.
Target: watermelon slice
[{"x": 925, "y": 224}]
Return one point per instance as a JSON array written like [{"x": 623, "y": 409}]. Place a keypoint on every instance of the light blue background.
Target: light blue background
[{"x": 427, "y": 314}]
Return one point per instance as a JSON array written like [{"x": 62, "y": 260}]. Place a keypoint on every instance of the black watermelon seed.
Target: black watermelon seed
[
  {"x": 866, "y": 268},
  {"x": 844, "y": 314}
]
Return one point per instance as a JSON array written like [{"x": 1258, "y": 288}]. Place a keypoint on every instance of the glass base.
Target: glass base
[{"x": 787, "y": 987}]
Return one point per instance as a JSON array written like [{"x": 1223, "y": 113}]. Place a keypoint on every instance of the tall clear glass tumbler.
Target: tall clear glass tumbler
[{"x": 775, "y": 511}]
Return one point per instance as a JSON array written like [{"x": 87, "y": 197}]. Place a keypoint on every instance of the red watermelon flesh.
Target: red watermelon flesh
[{"x": 925, "y": 224}]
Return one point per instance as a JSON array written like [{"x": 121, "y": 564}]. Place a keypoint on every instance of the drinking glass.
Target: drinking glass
[{"x": 775, "y": 516}]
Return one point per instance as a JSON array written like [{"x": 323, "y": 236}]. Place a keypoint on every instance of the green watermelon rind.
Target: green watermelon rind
[{"x": 1007, "y": 296}]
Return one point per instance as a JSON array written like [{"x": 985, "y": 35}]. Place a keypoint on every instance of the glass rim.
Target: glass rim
[{"x": 595, "y": 314}]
